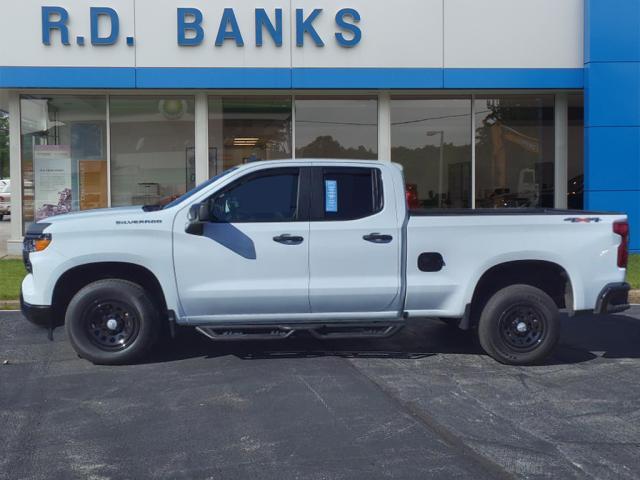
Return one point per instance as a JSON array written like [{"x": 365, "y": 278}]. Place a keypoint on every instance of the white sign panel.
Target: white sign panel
[
  {"x": 52, "y": 180},
  {"x": 293, "y": 34}
]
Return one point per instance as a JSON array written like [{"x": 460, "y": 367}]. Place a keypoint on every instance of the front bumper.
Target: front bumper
[
  {"x": 40, "y": 315},
  {"x": 613, "y": 298}
]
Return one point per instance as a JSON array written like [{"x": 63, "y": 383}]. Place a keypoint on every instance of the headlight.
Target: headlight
[{"x": 34, "y": 243}]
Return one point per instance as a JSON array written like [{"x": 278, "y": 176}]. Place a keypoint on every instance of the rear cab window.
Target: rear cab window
[{"x": 346, "y": 193}]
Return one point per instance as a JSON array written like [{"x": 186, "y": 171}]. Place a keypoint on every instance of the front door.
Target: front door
[
  {"x": 253, "y": 257},
  {"x": 355, "y": 242}
]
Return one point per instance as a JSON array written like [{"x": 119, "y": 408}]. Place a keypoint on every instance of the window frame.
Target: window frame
[
  {"x": 302, "y": 210},
  {"x": 317, "y": 211}
]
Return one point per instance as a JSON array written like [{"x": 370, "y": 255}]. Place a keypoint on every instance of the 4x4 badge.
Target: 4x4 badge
[{"x": 582, "y": 219}]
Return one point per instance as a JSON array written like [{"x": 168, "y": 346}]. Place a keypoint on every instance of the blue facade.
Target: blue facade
[
  {"x": 612, "y": 109},
  {"x": 291, "y": 78}
]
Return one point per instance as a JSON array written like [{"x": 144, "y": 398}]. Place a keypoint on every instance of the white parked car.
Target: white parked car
[
  {"x": 5, "y": 198},
  {"x": 329, "y": 247}
]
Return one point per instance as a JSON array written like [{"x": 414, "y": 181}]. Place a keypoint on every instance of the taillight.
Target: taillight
[{"x": 622, "y": 228}]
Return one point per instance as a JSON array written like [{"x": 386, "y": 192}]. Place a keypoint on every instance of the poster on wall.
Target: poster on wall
[
  {"x": 52, "y": 180},
  {"x": 93, "y": 184}
]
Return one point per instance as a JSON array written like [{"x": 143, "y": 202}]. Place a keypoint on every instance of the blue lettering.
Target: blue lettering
[
  {"x": 306, "y": 26},
  {"x": 96, "y": 13},
  {"x": 262, "y": 20},
  {"x": 48, "y": 24},
  {"x": 229, "y": 19},
  {"x": 349, "y": 27},
  {"x": 185, "y": 26}
]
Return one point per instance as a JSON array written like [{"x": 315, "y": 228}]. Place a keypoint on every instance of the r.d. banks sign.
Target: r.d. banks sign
[{"x": 105, "y": 27}]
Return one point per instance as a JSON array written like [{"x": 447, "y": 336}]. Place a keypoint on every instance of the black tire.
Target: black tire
[
  {"x": 519, "y": 325},
  {"x": 112, "y": 322},
  {"x": 1, "y": 217}
]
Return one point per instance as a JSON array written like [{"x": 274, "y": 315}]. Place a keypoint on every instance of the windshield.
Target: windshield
[{"x": 195, "y": 190}]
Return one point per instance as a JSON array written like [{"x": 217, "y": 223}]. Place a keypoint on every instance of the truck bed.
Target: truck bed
[{"x": 471, "y": 242}]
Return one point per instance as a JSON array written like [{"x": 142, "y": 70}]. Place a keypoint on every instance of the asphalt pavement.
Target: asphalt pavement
[{"x": 425, "y": 403}]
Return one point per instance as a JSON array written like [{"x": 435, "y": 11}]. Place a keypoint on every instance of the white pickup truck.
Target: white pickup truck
[{"x": 325, "y": 246}]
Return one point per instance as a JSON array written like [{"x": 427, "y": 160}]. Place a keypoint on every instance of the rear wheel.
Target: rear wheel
[
  {"x": 519, "y": 325},
  {"x": 112, "y": 322}
]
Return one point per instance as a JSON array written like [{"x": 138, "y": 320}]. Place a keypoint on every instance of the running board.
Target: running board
[
  {"x": 355, "y": 331},
  {"x": 323, "y": 331},
  {"x": 245, "y": 333}
]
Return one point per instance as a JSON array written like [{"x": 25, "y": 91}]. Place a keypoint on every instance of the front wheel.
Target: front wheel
[
  {"x": 519, "y": 325},
  {"x": 111, "y": 322}
]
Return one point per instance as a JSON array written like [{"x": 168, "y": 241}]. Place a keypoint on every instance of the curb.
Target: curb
[
  {"x": 634, "y": 296},
  {"x": 9, "y": 305}
]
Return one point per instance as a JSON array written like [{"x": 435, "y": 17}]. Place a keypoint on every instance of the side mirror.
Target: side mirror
[{"x": 199, "y": 214}]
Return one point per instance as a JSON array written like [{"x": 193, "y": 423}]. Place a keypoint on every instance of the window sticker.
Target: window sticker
[{"x": 331, "y": 196}]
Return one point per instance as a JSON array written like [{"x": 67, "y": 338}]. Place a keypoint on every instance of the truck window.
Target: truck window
[
  {"x": 350, "y": 193},
  {"x": 268, "y": 196}
]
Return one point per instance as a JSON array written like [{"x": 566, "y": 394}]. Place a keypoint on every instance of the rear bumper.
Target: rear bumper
[
  {"x": 40, "y": 315},
  {"x": 613, "y": 298}
]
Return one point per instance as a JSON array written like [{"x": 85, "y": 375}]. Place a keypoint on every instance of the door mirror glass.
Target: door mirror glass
[
  {"x": 199, "y": 214},
  {"x": 204, "y": 212}
]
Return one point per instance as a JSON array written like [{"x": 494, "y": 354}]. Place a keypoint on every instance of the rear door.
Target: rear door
[{"x": 355, "y": 242}]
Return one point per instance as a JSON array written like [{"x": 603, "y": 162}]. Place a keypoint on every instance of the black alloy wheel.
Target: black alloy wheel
[
  {"x": 522, "y": 327},
  {"x": 111, "y": 325}
]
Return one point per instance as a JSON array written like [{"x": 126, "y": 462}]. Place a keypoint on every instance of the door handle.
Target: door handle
[
  {"x": 377, "y": 238},
  {"x": 287, "y": 239}
]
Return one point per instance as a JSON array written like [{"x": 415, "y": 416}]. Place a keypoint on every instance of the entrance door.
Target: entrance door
[
  {"x": 355, "y": 242},
  {"x": 253, "y": 257}
]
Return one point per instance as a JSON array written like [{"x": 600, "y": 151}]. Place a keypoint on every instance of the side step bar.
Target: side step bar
[
  {"x": 245, "y": 333},
  {"x": 323, "y": 331},
  {"x": 366, "y": 331}
]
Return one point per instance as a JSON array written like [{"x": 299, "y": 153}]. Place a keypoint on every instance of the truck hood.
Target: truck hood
[
  {"x": 102, "y": 219},
  {"x": 98, "y": 213}
]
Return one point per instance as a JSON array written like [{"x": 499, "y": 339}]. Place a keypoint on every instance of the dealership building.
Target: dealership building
[{"x": 485, "y": 103}]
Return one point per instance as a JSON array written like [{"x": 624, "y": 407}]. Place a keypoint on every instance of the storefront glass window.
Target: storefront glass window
[
  {"x": 514, "y": 143},
  {"x": 575, "y": 164},
  {"x": 152, "y": 148},
  {"x": 431, "y": 139},
  {"x": 337, "y": 127},
  {"x": 64, "y": 154},
  {"x": 246, "y": 129}
]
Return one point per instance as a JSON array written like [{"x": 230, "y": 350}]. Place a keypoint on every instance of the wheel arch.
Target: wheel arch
[
  {"x": 75, "y": 278},
  {"x": 548, "y": 276}
]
